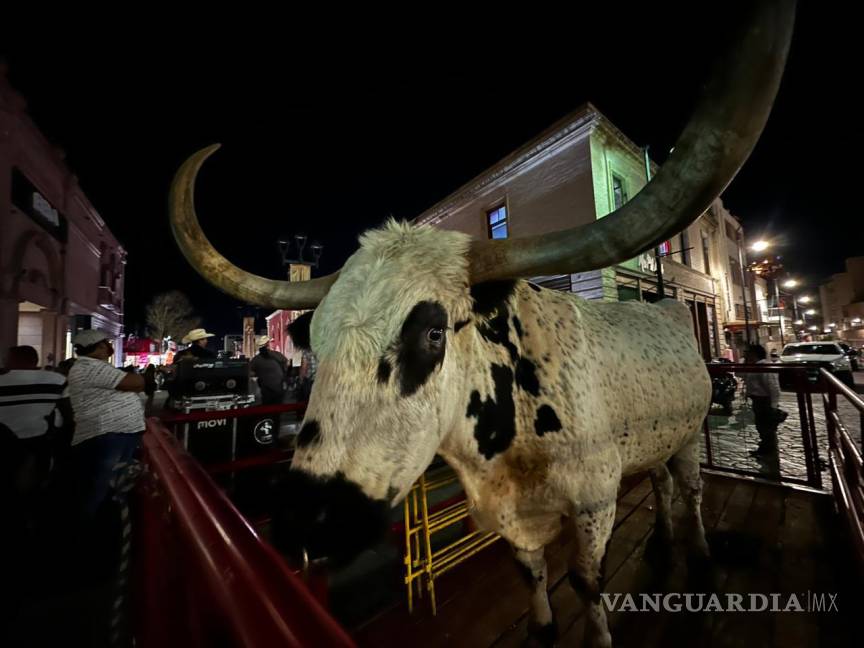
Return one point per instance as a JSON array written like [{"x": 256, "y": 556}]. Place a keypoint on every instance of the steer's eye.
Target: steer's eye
[{"x": 435, "y": 335}]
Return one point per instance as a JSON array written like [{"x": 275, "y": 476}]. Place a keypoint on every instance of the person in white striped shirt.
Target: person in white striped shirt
[{"x": 33, "y": 409}]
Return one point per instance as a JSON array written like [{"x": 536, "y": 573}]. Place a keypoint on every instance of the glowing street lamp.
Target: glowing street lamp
[
  {"x": 811, "y": 311},
  {"x": 790, "y": 283},
  {"x": 806, "y": 299},
  {"x": 812, "y": 328},
  {"x": 760, "y": 246}
]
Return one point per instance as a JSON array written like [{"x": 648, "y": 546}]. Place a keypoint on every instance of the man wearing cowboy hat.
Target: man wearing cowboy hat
[
  {"x": 197, "y": 349},
  {"x": 271, "y": 368}
]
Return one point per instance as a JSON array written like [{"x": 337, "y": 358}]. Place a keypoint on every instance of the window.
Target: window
[
  {"x": 685, "y": 248},
  {"x": 734, "y": 271},
  {"x": 706, "y": 254},
  {"x": 628, "y": 293},
  {"x": 731, "y": 232},
  {"x": 619, "y": 191},
  {"x": 496, "y": 221}
]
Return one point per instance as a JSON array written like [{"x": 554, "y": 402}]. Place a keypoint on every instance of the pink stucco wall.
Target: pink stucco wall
[{"x": 76, "y": 273}]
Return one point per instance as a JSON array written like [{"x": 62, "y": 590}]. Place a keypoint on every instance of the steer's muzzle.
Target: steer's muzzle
[{"x": 329, "y": 517}]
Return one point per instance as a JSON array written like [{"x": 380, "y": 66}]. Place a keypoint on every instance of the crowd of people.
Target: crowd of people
[
  {"x": 66, "y": 438},
  {"x": 70, "y": 433}
]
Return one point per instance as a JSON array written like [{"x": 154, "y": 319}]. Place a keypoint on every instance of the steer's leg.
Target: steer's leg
[
  {"x": 542, "y": 625},
  {"x": 685, "y": 467},
  {"x": 593, "y": 531},
  {"x": 660, "y": 543}
]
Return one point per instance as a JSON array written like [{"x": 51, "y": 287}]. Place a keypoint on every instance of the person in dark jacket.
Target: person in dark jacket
[
  {"x": 763, "y": 390},
  {"x": 271, "y": 368},
  {"x": 197, "y": 349}
]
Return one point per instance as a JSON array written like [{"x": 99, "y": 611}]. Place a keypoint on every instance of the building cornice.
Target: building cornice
[
  {"x": 578, "y": 124},
  {"x": 564, "y": 132}
]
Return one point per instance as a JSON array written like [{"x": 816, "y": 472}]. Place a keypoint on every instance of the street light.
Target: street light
[
  {"x": 760, "y": 246},
  {"x": 790, "y": 283},
  {"x": 300, "y": 241},
  {"x": 805, "y": 299},
  {"x": 810, "y": 311}
]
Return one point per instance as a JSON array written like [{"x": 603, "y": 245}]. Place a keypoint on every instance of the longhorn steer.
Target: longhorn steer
[{"x": 541, "y": 401}]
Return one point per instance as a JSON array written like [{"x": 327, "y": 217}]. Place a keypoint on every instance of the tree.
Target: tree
[{"x": 170, "y": 314}]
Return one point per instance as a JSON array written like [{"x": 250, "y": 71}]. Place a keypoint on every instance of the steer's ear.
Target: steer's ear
[{"x": 299, "y": 331}]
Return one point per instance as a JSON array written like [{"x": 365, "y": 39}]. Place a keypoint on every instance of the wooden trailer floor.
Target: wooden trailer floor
[{"x": 765, "y": 539}]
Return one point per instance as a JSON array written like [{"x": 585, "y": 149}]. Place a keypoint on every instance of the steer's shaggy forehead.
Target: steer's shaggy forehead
[{"x": 396, "y": 267}]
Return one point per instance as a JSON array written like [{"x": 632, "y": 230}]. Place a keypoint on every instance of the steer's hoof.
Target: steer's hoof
[{"x": 541, "y": 636}]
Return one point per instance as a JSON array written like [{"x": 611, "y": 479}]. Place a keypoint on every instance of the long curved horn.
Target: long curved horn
[
  {"x": 710, "y": 151},
  {"x": 218, "y": 270}
]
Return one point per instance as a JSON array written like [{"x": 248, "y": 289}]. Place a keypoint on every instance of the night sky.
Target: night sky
[{"x": 328, "y": 133}]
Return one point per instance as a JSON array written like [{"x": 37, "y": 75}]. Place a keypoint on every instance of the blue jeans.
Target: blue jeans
[{"x": 94, "y": 461}]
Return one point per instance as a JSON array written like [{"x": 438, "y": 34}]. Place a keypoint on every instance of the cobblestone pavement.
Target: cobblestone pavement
[{"x": 733, "y": 437}]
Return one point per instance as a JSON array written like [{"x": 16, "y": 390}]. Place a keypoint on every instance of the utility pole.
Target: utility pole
[
  {"x": 744, "y": 288},
  {"x": 779, "y": 311},
  {"x": 661, "y": 290}
]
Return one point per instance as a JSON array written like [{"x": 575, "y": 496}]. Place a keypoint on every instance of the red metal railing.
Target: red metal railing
[
  {"x": 202, "y": 575},
  {"x": 847, "y": 468}
]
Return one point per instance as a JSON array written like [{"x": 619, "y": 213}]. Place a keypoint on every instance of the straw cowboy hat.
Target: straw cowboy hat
[
  {"x": 196, "y": 334},
  {"x": 261, "y": 340}
]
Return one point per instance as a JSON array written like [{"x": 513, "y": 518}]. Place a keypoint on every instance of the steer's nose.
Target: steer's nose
[{"x": 328, "y": 517}]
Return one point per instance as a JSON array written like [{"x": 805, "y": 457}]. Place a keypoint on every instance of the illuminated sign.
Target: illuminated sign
[
  {"x": 30, "y": 201},
  {"x": 647, "y": 262},
  {"x": 44, "y": 209}
]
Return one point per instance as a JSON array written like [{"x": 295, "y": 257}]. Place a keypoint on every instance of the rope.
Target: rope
[{"x": 122, "y": 481}]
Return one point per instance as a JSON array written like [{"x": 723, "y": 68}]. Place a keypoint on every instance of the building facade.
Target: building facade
[
  {"x": 579, "y": 170},
  {"x": 842, "y": 299},
  {"x": 61, "y": 269}
]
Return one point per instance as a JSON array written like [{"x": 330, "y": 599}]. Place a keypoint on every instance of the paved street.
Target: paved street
[{"x": 733, "y": 437}]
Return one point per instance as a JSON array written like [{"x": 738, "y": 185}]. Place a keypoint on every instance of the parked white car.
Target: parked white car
[{"x": 827, "y": 355}]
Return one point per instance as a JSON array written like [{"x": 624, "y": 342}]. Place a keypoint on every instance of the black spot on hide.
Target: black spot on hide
[
  {"x": 419, "y": 355},
  {"x": 309, "y": 433},
  {"x": 384, "y": 369},
  {"x": 497, "y": 331},
  {"x": 496, "y": 419},
  {"x": 517, "y": 326},
  {"x": 526, "y": 376},
  {"x": 546, "y": 421},
  {"x": 299, "y": 331},
  {"x": 546, "y": 635},
  {"x": 489, "y": 295}
]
